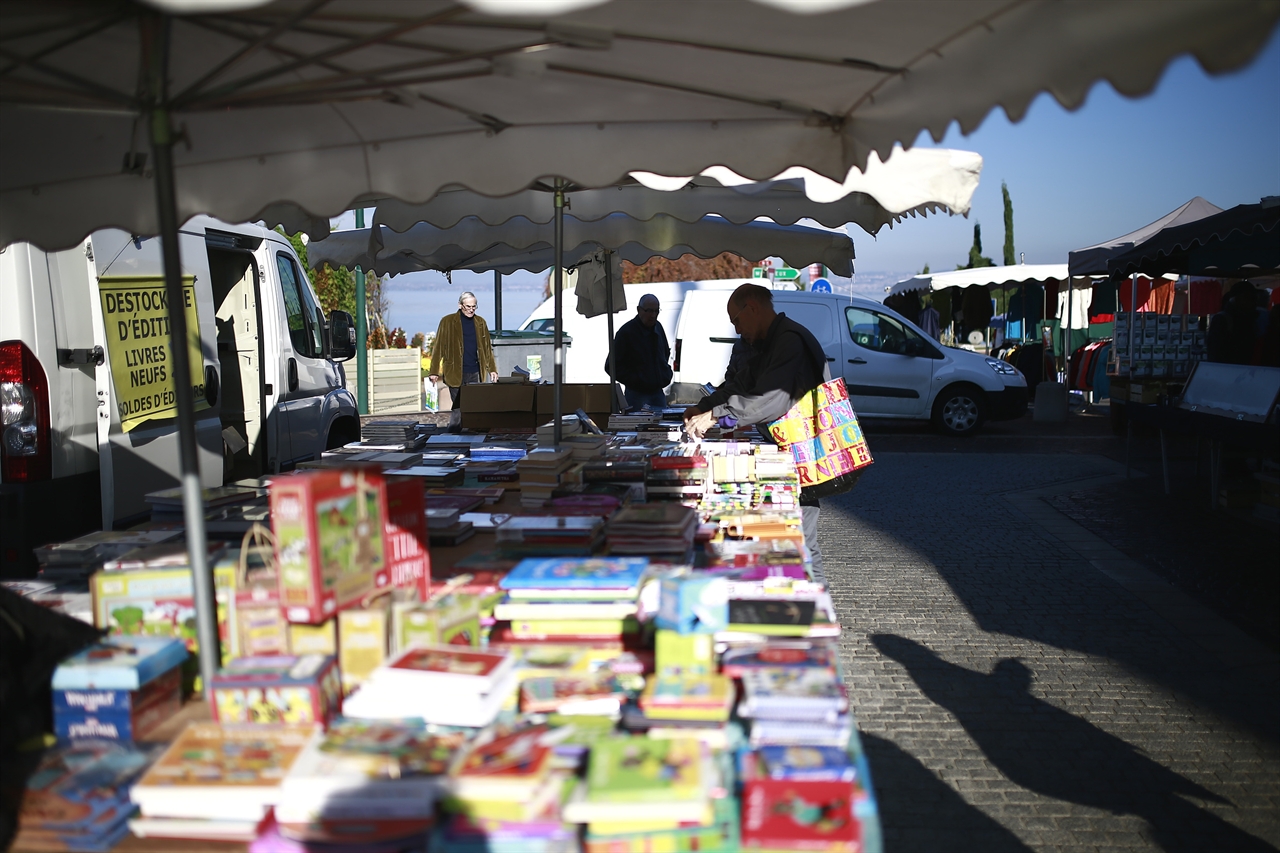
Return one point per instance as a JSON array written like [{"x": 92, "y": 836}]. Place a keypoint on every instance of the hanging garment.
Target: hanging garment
[
  {"x": 1205, "y": 297},
  {"x": 1104, "y": 299},
  {"x": 1125, "y": 290},
  {"x": 1161, "y": 299},
  {"x": 1101, "y": 381},
  {"x": 1079, "y": 309},
  {"x": 928, "y": 322},
  {"x": 976, "y": 306},
  {"x": 590, "y": 290}
]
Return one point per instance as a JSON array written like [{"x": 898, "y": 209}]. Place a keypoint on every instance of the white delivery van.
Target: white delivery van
[
  {"x": 585, "y": 356},
  {"x": 89, "y": 423},
  {"x": 891, "y": 368}
]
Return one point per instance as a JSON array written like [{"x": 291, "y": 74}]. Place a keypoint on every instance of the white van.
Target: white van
[
  {"x": 891, "y": 368},
  {"x": 585, "y": 355},
  {"x": 89, "y": 424}
]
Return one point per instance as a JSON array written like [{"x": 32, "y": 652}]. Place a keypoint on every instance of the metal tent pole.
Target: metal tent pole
[
  {"x": 608, "y": 301},
  {"x": 362, "y": 334},
  {"x": 155, "y": 46},
  {"x": 497, "y": 301},
  {"x": 559, "y": 287}
]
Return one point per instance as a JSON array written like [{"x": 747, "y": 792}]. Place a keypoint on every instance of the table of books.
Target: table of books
[{"x": 466, "y": 643}]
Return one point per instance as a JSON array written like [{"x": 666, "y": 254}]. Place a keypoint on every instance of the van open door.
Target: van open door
[{"x": 137, "y": 415}]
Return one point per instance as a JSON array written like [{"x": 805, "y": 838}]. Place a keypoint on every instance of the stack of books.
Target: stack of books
[
  {"x": 670, "y": 703},
  {"x": 508, "y": 779},
  {"x": 166, "y": 504},
  {"x": 594, "y": 694},
  {"x": 366, "y": 782},
  {"x": 746, "y": 478},
  {"x": 586, "y": 446},
  {"x": 444, "y": 685},
  {"x": 681, "y": 479},
  {"x": 445, "y": 525},
  {"x": 801, "y": 798},
  {"x": 562, "y": 599},
  {"x": 533, "y": 535},
  {"x": 569, "y": 425},
  {"x": 217, "y": 782},
  {"x": 120, "y": 688},
  {"x": 661, "y": 528},
  {"x": 796, "y": 706},
  {"x": 633, "y": 421},
  {"x": 541, "y": 472},
  {"x": 393, "y": 435},
  {"x": 615, "y": 469},
  {"x": 78, "y": 797},
  {"x": 637, "y": 785},
  {"x": 435, "y": 476},
  {"x": 494, "y": 451},
  {"x": 77, "y": 559}
]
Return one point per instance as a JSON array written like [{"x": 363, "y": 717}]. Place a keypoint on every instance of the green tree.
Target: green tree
[
  {"x": 336, "y": 289},
  {"x": 925, "y": 271},
  {"x": 418, "y": 340},
  {"x": 976, "y": 258},
  {"x": 1010, "y": 257}
]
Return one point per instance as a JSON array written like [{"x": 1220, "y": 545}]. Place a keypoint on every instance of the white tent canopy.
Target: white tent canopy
[
  {"x": 918, "y": 181},
  {"x": 520, "y": 244},
  {"x": 1007, "y": 276},
  {"x": 324, "y": 105},
  {"x": 1092, "y": 260}
]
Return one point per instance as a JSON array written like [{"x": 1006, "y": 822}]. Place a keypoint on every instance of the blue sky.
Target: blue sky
[
  {"x": 1110, "y": 167},
  {"x": 1076, "y": 178}
]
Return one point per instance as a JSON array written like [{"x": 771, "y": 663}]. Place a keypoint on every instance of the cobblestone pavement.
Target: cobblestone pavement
[{"x": 1019, "y": 689}]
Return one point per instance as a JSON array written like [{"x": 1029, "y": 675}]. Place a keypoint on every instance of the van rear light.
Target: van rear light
[
  {"x": 25, "y": 451},
  {"x": 675, "y": 365}
]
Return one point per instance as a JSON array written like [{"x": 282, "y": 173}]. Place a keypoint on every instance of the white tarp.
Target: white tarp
[
  {"x": 322, "y": 105},
  {"x": 988, "y": 276},
  {"x": 519, "y": 244},
  {"x": 913, "y": 182}
]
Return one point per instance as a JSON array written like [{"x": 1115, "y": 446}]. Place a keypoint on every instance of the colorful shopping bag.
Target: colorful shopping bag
[{"x": 823, "y": 434}]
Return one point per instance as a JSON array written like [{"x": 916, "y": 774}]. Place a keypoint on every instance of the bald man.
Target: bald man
[
  {"x": 642, "y": 356},
  {"x": 785, "y": 362}
]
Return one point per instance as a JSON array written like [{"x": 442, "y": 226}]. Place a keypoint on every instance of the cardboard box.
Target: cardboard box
[
  {"x": 448, "y": 621},
  {"x": 592, "y": 398},
  {"x": 161, "y": 603},
  {"x": 278, "y": 689},
  {"x": 404, "y": 531},
  {"x": 329, "y": 540},
  {"x": 123, "y": 715},
  {"x": 499, "y": 406},
  {"x": 314, "y": 639},
  {"x": 364, "y": 638}
]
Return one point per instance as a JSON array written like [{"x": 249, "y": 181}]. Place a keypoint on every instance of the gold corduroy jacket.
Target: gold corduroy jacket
[{"x": 446, "y": 350}]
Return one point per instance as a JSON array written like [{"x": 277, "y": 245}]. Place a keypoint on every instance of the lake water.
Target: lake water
[{"x": 417, "y": 306}]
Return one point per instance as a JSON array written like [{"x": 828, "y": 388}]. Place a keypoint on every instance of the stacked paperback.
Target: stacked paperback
[
  {"x": 796, "y": 705},
  {"x": 444, "y": 685},
  {"x": 661, "y": 528},
  {"x": 542, "y": 472},
  {"x": 509, "y": 780},
  {"x": 680, "y": 479},
  {"x": 217, "y": 782},
  {"x": 563, "y": 599},
  {"x": 532, "y": 535}
]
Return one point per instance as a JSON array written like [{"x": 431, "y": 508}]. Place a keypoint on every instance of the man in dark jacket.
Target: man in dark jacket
[
  {"x": 642, "y": 356},
  {"x": 786, "y": 362}
]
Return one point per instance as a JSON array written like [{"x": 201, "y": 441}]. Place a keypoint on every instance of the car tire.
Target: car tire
[
  {"x": 960, "y": 410},
  {"x": 343, "y": 431}
]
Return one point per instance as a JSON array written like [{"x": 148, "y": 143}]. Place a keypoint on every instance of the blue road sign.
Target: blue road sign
[{"x": 820, "y": 286}]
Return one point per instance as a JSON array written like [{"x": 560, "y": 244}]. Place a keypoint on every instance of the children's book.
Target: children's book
[
  {"x": 810, "y": 763},
  {"x": 458, "y": 666},
  {"x": 793, "y": 694},
  {"x": 572, "y": 694},
  {"x": 639, "y": 770},
  {"x": 119, "y": 663},
  {"x": 791, "y": 814},
  {"x": 227, "y": 771},
  {"x": 614, "y": 573},
  {"x": 79, "y": 795},
  {"x": 790, "y": 654}
]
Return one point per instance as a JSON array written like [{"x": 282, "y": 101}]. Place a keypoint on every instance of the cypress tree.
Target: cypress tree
[{"x": 1010, "y": 257}]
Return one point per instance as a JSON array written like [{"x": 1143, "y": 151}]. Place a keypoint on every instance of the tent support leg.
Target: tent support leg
[
  {"x": 155, "y": 45},
  {"x": 608, "y": 301},
  {"x": 497, "y": 300},
  {"x": 559, "y": 297}
]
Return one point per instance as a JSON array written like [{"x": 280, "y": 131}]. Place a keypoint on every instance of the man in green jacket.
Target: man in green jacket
[{"x": 462, "y": 351}]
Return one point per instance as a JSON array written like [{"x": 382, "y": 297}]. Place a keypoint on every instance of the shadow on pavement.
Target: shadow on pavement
[
  {"x": 1056, "y": 754},
  {"x": 922, "y": 814}
]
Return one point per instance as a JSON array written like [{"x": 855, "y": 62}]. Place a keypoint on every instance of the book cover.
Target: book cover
[
  {"x": 693, "y": 604},
  {"x": 364, "y": 750},
  {"x": 603, "y": 609},
  {"x": 788, "y": 612},
  {"x": 212, "y": 756},
  {"x": 513, "y": 757},
  {"x": 810, "y": 763},
  {"x": 119, "y": 663},
  {"x": 684, "y": 654},
  {"x": 124, "y": 715},
  {"x": 557, "y": 573},
  {"x": 452, "y": 663},
  {"x": 574, "y": 627},
  {"x": 794, "y": 694},
  {"x": 82, "y": 787},
  {"x": 554, "y": 693},
  {"x": 278, "y": 689},
  {"x": 797, "y": 815},
  {"x": 792, "y": 654},
  {"x": 639, "y": 770}
]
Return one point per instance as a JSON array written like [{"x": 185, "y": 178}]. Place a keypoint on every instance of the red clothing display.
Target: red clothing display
[
  {"x": 1144, "y": 291},
  {"x": 1161, "y": 299},
  {"x": 1206, "y": 297}
]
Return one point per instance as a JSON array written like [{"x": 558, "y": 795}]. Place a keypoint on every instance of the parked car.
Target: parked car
[{"x": 891, "y": 368}]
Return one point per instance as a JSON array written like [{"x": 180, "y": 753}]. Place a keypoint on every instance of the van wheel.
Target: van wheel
[
  {"x": 343, "y": 431},
  {"x": 960, "y": 410}
]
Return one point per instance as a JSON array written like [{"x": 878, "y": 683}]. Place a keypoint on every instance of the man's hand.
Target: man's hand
[
  {"x": 691, "y": 412},
  {"x": 698, "y": 425},
  {"x": 435, "y": 378},
  {"x": 493, "y": 377}
]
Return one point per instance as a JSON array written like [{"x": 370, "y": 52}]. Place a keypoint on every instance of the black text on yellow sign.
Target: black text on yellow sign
[{"x": 135, "y": 314}]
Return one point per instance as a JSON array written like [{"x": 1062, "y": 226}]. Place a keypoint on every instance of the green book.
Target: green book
[
  {"x": 641, "y": 770},
  {"x": 574, "y": 627}
]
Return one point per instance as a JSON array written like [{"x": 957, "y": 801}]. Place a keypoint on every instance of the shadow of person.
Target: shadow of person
[
  {"x": 920, "y": 813},
  {"x": 1056, "y": 754}
]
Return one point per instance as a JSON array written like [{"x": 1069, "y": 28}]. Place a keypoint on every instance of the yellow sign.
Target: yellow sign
[{"x": 135, "y": 313}]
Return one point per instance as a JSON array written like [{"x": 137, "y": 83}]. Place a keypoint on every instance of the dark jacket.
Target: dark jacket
[
  {"x": 642, "y": 357},
  {"x": 788, "y": 363}
]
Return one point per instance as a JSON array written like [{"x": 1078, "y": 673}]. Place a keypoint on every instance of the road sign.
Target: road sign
[
  {"x": 786, "y": 274},
  {"x": 820, "y": 286},
  {"x": 759, "y": 272}
]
